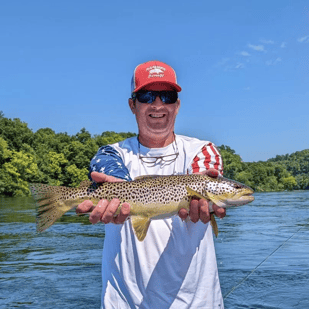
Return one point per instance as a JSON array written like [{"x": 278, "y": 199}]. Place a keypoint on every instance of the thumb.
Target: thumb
[
  {"x": 212, "y": 173},
  {"x": 100, "y": 177}
]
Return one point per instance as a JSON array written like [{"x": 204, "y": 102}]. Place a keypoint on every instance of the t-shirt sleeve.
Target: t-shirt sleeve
[
  {"x": 108, "y": 161},
  {"x": 208, "y": 157}
]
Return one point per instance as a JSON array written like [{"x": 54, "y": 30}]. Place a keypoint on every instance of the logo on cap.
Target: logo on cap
[{"x": 155, "y": 71}]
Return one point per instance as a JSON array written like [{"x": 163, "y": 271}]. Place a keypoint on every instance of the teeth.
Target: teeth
[{"x": 157, "y": 115}]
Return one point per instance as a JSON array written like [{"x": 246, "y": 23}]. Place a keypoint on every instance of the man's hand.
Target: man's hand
[
  {"x": 199, "y": 208},
  {"x": 105, "y": 210}
]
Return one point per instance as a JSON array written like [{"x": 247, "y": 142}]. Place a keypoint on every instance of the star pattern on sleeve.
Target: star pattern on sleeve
[{"x": 108, "y": 161}]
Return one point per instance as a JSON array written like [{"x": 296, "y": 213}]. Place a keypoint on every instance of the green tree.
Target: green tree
[
  {"x": 297, "y": 164},
  {"x": 83, "y": 136},
  {"x": 302, "y": 182},
  {"x": 15, "y": 132},
  {"x": 53, "y": 165},
  {"x": 16, "y": 172},
  {"x": 5, "y": 153},
  {"x": 75, "y": 175},
  {"x": 245, "y": 177},
  {"x": 80, "y": 154},
  {"x": 289, "y": 183},
  {"x": 110, "y": 137},
  {"x": 232, "y": 162}
]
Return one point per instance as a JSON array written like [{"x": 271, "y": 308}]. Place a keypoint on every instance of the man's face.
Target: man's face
[{"x": 156, "y": 119}]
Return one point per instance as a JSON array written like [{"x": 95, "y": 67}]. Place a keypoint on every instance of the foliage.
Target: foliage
[
  {"x": 45, "y": 156},
  {"x": 288, "y": 172},
  {"x": 76, "y": 175},
  {"x": 232, "y": 162},
  {"x": 62, "y": 159},
  {"x": 15, "y": 132},
  {"x": 298, "y": 165},
  {"x": 17, "y": 169}
]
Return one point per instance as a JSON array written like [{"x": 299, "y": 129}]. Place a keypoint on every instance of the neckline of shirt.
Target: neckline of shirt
[{"x": 169, "y": 149}]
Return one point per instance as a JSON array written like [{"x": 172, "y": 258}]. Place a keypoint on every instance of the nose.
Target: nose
[{"x": 157, "y": 102}]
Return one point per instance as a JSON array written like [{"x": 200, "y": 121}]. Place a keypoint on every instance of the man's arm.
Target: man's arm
[{"x": 105, "y": 163}]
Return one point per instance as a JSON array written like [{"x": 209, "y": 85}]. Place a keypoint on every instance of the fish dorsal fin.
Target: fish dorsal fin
[
  {"x": 140, "y": 226},
  {"x": 146, "y": 177},
  {"x": 209, "y": 197}
]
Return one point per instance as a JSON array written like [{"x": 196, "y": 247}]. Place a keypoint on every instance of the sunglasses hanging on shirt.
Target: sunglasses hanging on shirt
[{"x": 164, "y": 160}]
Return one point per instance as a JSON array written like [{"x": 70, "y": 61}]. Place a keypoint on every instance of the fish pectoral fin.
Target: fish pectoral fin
[
  {"x": 213, "y": 198},
  {"x": 140, "y": 226},
  {"x": 193, "y": 193},
  {"x": 214, "y": 224},
  {"x": 209, "y": 197},
  {"x": 206, "y": 195}
]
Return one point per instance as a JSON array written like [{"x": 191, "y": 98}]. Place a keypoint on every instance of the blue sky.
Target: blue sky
[{"x": 243, "y": 67}]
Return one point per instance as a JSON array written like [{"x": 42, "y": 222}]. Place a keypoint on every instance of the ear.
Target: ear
[
  {"x": 178, "y": 103},
  {"x": 132, "y": 106}
]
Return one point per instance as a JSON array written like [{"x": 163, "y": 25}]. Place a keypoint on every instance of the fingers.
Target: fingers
[
  {"x": 85, "y": 206},
  {"x": 105, "y": 212},
  {"x": 204, "y": 211},
  {"x": 98, "y": 211},
  {"x": 110, "y": 211},
  {"x": 210, "y": 172},
  {"x": 220, "y": 212},
  {"x": 199, "y": 210},
  {"x": 100, "y": 177},
  {"x": 183, "y": 214},
  {"x": 123, "y": 215},
  {"x": 194, "y": 210},
  {"x": 213, "y": 173}
]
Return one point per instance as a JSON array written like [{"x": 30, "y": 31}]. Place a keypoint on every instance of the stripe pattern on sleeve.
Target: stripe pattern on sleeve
[{"x": 208, "y": 157}]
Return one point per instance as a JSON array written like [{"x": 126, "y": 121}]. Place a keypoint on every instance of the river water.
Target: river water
[{"x": 262, "y": 253}]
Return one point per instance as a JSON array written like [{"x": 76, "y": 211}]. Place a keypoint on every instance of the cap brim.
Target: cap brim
[{"x": 177, "y": 87}]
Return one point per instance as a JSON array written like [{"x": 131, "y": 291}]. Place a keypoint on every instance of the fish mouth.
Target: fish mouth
[
  {"x": 241, "y": 198},
  {"x": 246, "y": 197}
]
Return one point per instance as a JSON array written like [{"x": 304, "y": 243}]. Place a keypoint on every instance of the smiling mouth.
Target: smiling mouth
[{"x": 157, "y": 115}]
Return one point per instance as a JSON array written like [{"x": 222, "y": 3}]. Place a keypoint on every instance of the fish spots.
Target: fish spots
[{"x": 149, "y": 191}]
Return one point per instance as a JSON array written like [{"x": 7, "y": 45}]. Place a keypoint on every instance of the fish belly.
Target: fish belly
[{"x": 155, "y": 211}]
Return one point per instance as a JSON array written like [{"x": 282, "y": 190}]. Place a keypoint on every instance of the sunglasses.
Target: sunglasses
[{"x": 168, "y": 97}]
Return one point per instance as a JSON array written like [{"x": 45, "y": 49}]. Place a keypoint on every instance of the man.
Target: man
[{"x": 175, "y": 266}]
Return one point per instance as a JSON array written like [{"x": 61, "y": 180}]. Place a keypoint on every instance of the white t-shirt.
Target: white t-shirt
[{"x": 175, "y": 266}]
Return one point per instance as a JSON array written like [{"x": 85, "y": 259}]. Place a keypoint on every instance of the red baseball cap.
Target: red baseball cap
[{"x": 152, "y": 72}]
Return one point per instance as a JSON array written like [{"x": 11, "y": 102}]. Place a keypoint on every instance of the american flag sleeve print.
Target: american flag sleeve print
[
  {"x": 208, "y": 157},
  {"x": 108, "y": 161}
]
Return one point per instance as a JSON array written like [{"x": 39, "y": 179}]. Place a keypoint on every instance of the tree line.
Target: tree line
[
  {"x": 288, "y": 172},
  {"x": 62, "y": 159}
]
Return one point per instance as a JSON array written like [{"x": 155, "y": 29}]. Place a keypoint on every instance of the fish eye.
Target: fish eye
[{"x": 237, "y": 186}]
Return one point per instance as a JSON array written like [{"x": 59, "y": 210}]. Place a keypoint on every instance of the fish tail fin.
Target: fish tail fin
[
  {"x": 50, "y": 203},
  {"x": 214, "y": 224}
]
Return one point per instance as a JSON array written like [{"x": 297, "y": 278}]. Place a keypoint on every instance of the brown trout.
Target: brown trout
[{"x": 150, "y": 197}]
